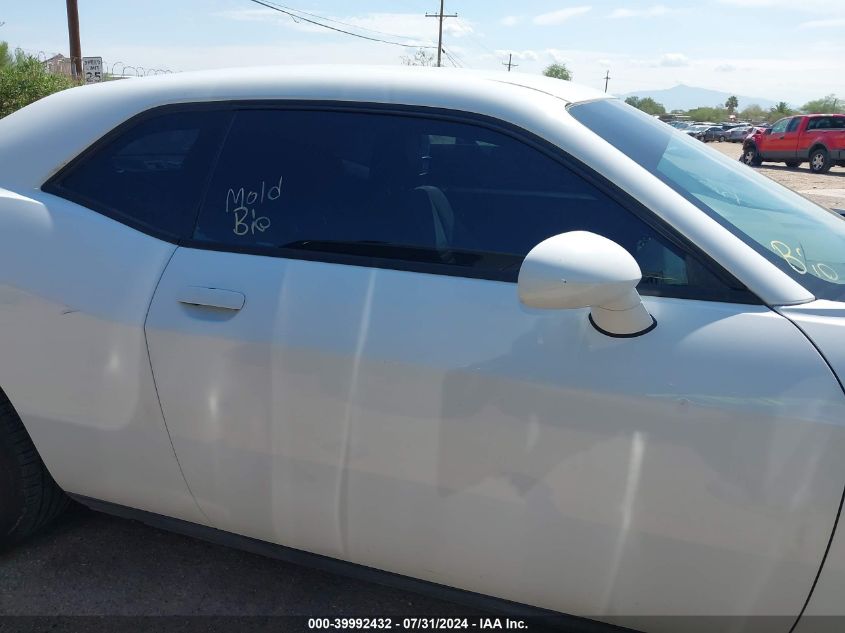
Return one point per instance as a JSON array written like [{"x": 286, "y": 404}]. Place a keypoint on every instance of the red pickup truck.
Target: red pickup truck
[{"x": 815, "y": 138}]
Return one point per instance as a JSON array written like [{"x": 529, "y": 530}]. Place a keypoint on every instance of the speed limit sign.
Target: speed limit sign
[{"x": 92, "y": 69}]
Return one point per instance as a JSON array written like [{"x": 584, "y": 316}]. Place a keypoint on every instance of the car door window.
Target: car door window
[
  {"x": 793, "y": 124},
  {"x": 150, "y": 174},
  {"x": 396, "y": 189},
  {"x": 780, "y": 126}
]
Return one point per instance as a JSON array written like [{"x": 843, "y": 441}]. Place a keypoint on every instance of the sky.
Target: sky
[{"x": 790, "y": 50}]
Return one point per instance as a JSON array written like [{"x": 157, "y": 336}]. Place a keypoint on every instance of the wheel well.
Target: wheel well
[{"x": 817, "y": 146}]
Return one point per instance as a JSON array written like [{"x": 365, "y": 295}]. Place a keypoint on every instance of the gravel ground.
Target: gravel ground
[
  {"x": 94, "y": 564},
  {"x": 94, "y": 573},
  {"x": 828, "y": 189}
]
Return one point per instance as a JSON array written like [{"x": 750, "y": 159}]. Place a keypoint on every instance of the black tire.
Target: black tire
[
  {"x": 722, "y": 138},
  {"x": 820, "y": 162},
  {"x": 29, "y": 497},
  {"x": 750, "y": 156},
  {"x": 792, "y": 164}
]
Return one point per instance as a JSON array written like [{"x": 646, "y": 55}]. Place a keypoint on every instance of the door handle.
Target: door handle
[{"x": 212, "y": 298}]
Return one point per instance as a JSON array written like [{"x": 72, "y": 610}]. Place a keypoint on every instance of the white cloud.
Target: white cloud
[
  {"x": 560, "y": 16},
  {"x": 673, "y": 60},
  {"x": 814, "y": 6},
  {"x": 412, "y": 27},
  {"x": 650, "y": 12},
  {"x": 725, "y": 68},
  {"x": 559, "y": 56},
  {"x": 824, "y": 24},
  {"x": 522, "y": 55},
  {"x": 511, "y": 20}
]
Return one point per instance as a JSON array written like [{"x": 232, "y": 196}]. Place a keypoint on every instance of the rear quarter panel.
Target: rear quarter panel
[{"x": 74, "y": 291}]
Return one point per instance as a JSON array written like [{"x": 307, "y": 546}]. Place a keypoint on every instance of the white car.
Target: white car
[{"x": 499, "y": 333}]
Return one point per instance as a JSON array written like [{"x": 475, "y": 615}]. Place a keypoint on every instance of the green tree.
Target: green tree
[
  {"x": 558, "y": 71},
  {"x": 732, "y": 104},
  {"x": 6, "y": 58},
  {"x": 754, "y": 112},
  {"x": 779, "y": 111},
  {"x": 826, "y": 105},
  {"x": 23, "y": 79},
  {"x": 647, "y": 105},
  {"x": 708, "y": 114}
]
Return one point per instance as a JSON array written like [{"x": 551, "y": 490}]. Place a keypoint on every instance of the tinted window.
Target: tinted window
[
  {"x": 793, "y": 124},
  {"x": 826, "y": 123},
  {"x": 151, "y": 175},
  {"x": 411, "y": 189}
]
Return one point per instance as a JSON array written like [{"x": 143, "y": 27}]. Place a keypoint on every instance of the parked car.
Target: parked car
[
  {"x": 697, "y": 130},
  {"x": 518, "y": 339},
  {"x": 738, "y": 134},
  {"x": 816, "y": 138},
  {"x": 713, "y": 133}
]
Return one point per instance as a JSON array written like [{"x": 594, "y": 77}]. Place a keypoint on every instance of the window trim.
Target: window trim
[{"x": 735, "y": 291}]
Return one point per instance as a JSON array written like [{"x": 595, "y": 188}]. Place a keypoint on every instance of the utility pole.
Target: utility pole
[
  {"x": 510, "y": 63},
  {"x": 440, "y": 16},
  {"x": 606, "y": 80},
  {"x": 73, "y": 35}
]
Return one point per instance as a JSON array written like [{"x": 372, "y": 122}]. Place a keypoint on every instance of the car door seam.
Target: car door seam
[
  {"x": 842, "y": 497},
  {"x": 155, "y": 386}
]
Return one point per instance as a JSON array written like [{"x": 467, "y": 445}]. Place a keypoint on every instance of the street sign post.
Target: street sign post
[{"x": 92, "y": 69}]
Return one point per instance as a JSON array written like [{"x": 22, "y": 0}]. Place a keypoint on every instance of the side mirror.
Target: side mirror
[
  {"x": 768, "y": 130},
  {"x": 584, "y": 270}
]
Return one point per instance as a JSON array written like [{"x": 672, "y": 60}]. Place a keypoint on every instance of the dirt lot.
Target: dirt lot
[{"x": 827, "y": 189}]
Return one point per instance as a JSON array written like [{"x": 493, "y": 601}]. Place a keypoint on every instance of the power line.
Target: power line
[
  {"x": 440, "y": 17},
  {"x": 333, "y": 28},
  {"x": 335, "y": 21},
  {"x": 451, "y": 57}
]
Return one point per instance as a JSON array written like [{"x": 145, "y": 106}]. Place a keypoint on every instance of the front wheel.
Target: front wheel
[
  {"x": 751, "y": 157},
  {"x": 820, "y": 161},
  {"x": 721, "y": 139},
  {"x": 29, "y": 497}
]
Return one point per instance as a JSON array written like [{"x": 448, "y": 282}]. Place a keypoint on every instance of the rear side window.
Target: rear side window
[
  {"x": 397, "y": 188},
  {"x": 150, "y": 175},
  {"x": 793, "y": 124}
]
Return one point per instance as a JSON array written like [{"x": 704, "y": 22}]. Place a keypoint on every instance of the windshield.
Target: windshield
[{"x": 801, "y": 238}]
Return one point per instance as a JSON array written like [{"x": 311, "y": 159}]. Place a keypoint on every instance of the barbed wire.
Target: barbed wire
[{"x": 108, "y": 69}]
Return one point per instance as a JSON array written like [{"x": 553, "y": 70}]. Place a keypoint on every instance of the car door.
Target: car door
[
  {"x": 782, "y": 143},
  {"x": 345, "y": 368}
]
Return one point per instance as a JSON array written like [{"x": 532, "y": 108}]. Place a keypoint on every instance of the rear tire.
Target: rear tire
[
  {"x": 792, "y": 164},
  {"x": 29, "y": 497},
  {"x": 820, "y": 161}
]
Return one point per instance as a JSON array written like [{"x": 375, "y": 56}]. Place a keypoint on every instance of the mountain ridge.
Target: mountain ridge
[{"x": 684, "y": 97}]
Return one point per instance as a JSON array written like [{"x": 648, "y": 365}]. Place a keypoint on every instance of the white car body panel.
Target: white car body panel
[
  {"x": 74, "y": 291},
  {"x": 432, "y": 426},
  {"x": 824, "y": 323},
  {"x": 424, "y": 424}
]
